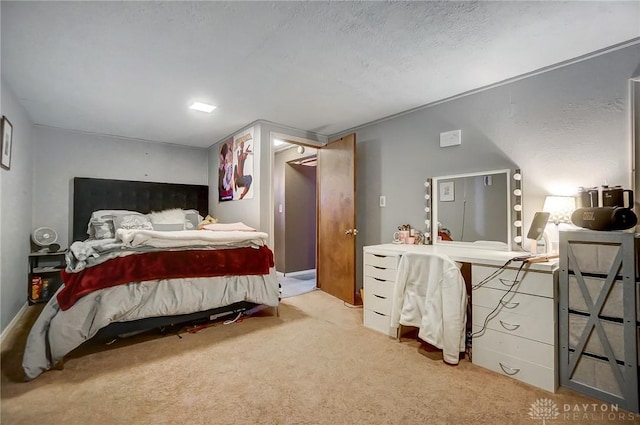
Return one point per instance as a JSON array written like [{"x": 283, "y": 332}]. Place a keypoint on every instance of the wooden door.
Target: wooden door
[{"x": 336, "y": 191}]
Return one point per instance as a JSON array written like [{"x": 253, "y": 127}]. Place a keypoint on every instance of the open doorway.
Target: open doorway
[{"x": 294, "y": 191}]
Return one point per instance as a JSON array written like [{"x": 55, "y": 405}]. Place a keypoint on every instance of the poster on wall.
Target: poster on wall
[
  {"x": 225, "y": 171},
  {"x": 7, "y": 138},
  {"x": 235, "y": 169}
]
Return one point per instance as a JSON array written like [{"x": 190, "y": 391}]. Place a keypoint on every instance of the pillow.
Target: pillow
[
  {"x": 104, "y": 215},
  {"x": 101, "y": 229},
  {"x": 168, "y": 227},
  {"x": 229, "y": 226},
  {"x": 131, "y": 221},
  {"x": 192, "y": 219},
  {"x": 172, "y": 216}
]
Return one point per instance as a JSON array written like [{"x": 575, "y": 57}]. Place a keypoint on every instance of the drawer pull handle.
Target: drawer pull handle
[
  {"x": 509, "y": 305},
  {"x": 508, "y": 370},
  {"x": 509, "y": 326},
  {"x": 379, "y": 280},
  {"x": 380, "y": 296},
  {"x": 508, "y": 282},
  {"x": 379, "y": 268},
  {"x": 379, "y": 256},
  {"x": 379, "y": 314}
]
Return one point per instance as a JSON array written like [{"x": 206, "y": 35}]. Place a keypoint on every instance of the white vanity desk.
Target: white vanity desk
[{"x": 519, "y": 340}]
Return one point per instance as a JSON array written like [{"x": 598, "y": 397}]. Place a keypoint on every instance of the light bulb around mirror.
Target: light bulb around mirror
[
  {"x": 517, "y": 176},
  {"x": 517, "y": 207},
  {"x": 427, "y": 209},
  {"x": 517, "y": 192},
  {"x": 517, "y": 223},
  {"x": 426, "y": 184},
  {"x": 517, "y": 239},
  {"x": 427, "y": 222}
]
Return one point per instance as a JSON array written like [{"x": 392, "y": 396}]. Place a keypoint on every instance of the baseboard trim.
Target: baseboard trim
[{"x": 13, "y": 322}]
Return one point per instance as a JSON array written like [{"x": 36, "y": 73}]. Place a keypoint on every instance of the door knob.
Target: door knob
[
  {"x": 348, "y": 232},
  {"x": 355, "y": 232}
]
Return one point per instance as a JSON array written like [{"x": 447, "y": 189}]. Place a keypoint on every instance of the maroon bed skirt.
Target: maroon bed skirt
[{"x": 164, "y": 265}]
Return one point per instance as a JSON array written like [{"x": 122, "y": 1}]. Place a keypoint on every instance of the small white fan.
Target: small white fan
[{"x": 44, "y": 237}]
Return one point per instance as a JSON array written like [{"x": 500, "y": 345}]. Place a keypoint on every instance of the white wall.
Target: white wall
[
  {"x": 16, "y": 210},
  {"x": 61, "y": 155}
]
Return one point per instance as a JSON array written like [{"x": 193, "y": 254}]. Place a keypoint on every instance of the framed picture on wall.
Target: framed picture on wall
[
  {"x": 7, "y": 137},
  {"x": 447, "y": 192}
]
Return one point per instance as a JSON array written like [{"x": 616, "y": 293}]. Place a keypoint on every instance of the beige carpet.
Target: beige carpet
[{"x": 315, "y": 364}]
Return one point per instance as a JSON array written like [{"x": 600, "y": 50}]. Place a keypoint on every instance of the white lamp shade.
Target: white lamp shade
[{"x": 559, "y": 208}]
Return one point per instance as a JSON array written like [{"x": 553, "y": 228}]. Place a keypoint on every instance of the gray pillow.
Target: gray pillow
[
  {"x": 101, "y": 229},
  {"x": 132, "y": 221},
  {"x": 192, "y": 220}
]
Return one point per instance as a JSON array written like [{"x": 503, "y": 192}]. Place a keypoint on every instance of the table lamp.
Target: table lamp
[{"x": 560, "y": 209}]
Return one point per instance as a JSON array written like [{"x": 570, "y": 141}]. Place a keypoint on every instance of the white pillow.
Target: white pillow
[
  {"x": 172, "y": 216},
  {"x": 229, "y": 227},
  {"x": 169, "y": 227}
]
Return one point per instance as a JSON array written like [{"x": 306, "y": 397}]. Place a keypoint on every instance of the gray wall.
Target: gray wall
[
  {"x": 256, "y": 212},
  {"x": 300, "y": 188},
  {"x": 564, "y": 128},
  {"x": 61, "y": 155},
  {"x": 246, "y": 210},
  {"x": 16, "y": 194}
]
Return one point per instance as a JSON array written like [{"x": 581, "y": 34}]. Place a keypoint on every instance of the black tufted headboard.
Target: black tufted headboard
[{"x": 100, "y": 194}]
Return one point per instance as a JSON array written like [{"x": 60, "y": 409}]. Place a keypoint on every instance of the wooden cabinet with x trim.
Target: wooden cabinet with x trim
[{"x": 599, "y": 312}]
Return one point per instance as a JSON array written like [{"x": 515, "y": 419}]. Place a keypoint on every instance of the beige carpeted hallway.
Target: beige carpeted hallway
[{"x": 315, "y": 364}]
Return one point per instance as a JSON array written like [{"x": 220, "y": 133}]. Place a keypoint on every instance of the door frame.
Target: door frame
[{"x": 300, "y": 141}]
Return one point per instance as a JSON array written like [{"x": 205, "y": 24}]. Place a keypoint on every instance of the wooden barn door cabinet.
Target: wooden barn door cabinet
[{"x": 598, "y": 315}]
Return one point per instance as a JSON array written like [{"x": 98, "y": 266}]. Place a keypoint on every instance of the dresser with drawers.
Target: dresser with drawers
[
  {"x": 514, "y": 323},
  {"x": 514, "y": 313},
  {"x": 379, "y": 277}
]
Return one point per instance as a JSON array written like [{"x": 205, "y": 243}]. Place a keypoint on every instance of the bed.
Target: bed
[{"x": 131, "y": 267}]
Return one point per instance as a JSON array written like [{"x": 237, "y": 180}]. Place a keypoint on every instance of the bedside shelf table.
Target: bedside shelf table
[{"x": 44, "y": 275}]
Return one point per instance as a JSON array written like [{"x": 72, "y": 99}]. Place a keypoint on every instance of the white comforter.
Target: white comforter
[
  {"x": 430, "y": 294},
  {"x": 83, "y": 254},
  {"x": 161, "y": 239}
]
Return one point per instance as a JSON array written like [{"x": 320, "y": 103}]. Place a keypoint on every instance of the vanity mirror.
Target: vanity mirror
[{"x": 481, "y": 209}]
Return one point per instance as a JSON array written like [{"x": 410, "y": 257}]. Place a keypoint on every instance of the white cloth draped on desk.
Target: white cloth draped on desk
[{"x": 430, "y": 294}]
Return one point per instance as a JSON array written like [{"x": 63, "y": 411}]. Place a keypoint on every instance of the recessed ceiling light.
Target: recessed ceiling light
[{"x": 203, "y": 107}]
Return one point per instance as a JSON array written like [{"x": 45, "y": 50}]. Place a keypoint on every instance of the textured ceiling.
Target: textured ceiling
[{"x": 131, "y": 69}]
